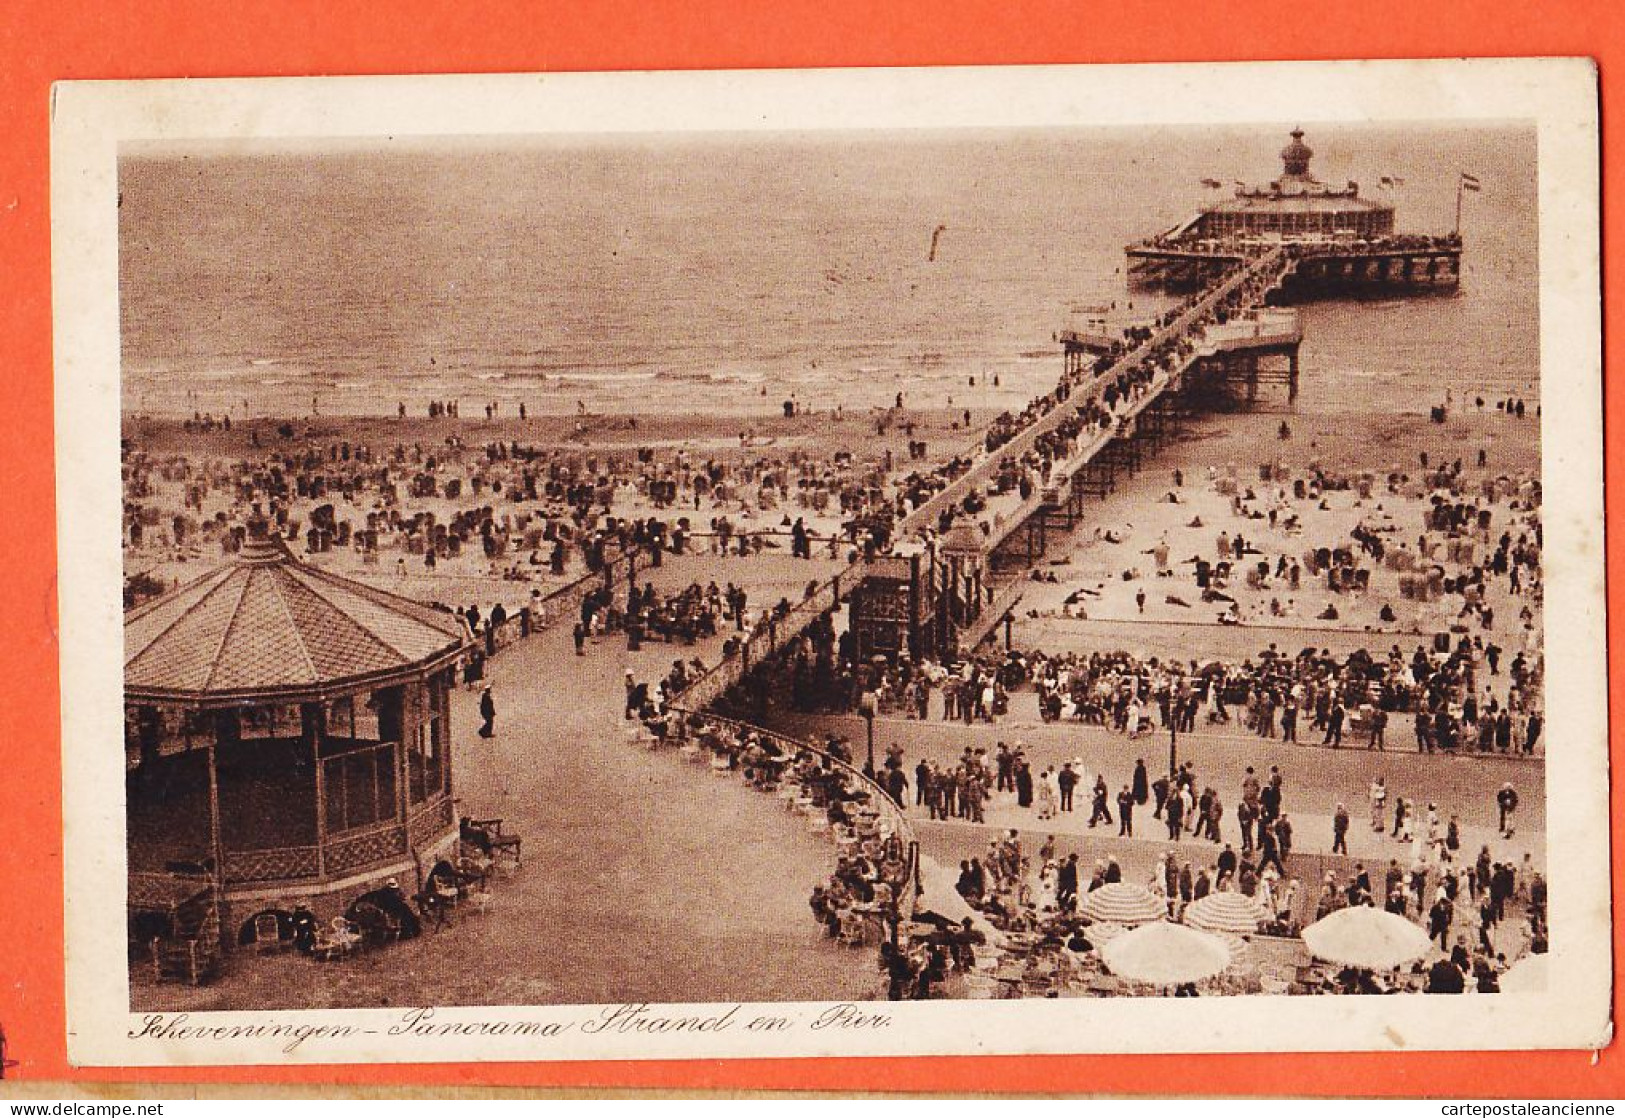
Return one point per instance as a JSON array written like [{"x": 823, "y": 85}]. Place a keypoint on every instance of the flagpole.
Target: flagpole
[{"x": 1459, "y": 183}]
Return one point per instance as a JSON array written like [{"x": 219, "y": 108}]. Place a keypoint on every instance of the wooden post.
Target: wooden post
[
  {"x": 321, "y": 808},
  {"x": 413, "y": 704},
  {"x": 215, "y": 844}
]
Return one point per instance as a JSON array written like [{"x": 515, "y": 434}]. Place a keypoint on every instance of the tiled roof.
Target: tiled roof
[{"x": 267, "y": 622}]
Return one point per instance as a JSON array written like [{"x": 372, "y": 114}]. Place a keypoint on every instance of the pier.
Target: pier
[
  {"x": 955, "y": 565},
  {"x": 953, "y": 575}
]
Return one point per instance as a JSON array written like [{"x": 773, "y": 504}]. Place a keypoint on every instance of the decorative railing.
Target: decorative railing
[
  {"x": 344, "y": 853},
  {"x": 366, "y": 848},
  {"x": 282, "y": 863},
  {"x": 429, "y": 823}
]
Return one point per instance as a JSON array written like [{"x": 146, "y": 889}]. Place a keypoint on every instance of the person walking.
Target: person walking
[
  {"x": 1340, "y": 830},
  {"x": 1507, "y": 801},
  {"x": 1100, "y": 812},
  {"x": 488, "y": 712},
  {"x": 1379, "y": 723}
]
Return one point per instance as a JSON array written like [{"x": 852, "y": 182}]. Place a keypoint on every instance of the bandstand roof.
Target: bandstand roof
[{"x": 267, "y": 624}]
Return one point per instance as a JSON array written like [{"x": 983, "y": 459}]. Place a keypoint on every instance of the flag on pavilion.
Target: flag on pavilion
[{"x": 1470, "y": 182}]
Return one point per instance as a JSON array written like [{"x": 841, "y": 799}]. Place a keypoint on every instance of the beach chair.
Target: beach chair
[
  {"x": 336, "y": 941},
  {"x": 486, "y": 836},
  {"x": 268, "y": 933}
]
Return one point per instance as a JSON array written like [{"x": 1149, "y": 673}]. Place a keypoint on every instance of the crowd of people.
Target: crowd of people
[
  {"x": 1461, "y": 901},
  {"x": 1463, "y": 697}
]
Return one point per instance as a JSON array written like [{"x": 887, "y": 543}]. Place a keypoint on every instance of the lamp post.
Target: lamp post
[
  {"x": 867, "y": 706},
  {"x": 1173, "y": 745}
]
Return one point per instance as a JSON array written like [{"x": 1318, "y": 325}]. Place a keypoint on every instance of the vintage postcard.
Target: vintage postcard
[{"x": 961, "y": 561}]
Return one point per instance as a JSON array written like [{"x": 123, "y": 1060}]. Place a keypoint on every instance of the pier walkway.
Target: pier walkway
[
  {"x": 1196, "y": 340},
  {"x": 1263, "y": 272}
]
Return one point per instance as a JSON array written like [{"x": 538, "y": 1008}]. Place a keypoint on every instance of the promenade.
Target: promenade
[{"x": 644, "y": 878}]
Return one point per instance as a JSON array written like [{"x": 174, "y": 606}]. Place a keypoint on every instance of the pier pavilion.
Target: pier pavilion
[
  {"x": 1341, "y": 243},
  {"x": 286, "y": 740}
]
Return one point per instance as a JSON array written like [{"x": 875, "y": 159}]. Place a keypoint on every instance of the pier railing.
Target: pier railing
[
  {"x": 771, "y": 634},
  {"x": 1268, "y": 267},
  {"x": 766, "y": 637}
]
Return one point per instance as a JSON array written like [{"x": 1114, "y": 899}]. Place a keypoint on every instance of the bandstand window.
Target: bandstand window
[
  {"x": 425, "y": 759},
  {"x": 360, "y": 788},
  {"x": 366, "y": 717}
]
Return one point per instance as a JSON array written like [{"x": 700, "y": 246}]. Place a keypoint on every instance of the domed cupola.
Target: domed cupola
[{"x": 1295, "y": 157}]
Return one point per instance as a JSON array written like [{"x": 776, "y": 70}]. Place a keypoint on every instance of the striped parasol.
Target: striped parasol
[
  {"x": 1102, "y": 934},
  {"x": 1122, "y": 903},
  {"x": 1366, "y": 937},
  {"x": 1234, "y": 913},
  {"x": 1165, "y": 954}
]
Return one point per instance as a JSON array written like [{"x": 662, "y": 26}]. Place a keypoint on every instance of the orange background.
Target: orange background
[{"x": 44, "y": 42}]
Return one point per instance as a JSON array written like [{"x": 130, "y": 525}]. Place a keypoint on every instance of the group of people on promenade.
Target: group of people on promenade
[{"x": 1464, "y": 698}]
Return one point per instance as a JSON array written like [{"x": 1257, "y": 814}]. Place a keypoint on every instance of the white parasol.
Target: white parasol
[
  {"x": 1366, "y": 937},
  {"x": 1165, "y": 954}
]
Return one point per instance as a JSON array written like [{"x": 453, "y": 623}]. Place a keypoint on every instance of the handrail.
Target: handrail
[
  {"x": 768, "y": 636},
  {"x": 577, "y": 588},
  {"x": 901, "y": 827},
  {"x": 955, "y": 490}
]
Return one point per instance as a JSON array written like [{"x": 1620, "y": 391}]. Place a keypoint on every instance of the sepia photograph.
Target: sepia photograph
[{"x": 887, "y": 565}]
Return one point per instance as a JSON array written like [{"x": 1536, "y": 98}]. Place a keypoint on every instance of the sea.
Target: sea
[{"x": 727, "y": 273}]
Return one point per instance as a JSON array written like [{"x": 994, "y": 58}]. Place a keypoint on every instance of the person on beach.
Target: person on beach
[{"x": 1379, "y": 800}]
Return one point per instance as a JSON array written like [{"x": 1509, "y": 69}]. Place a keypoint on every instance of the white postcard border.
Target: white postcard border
[{"x": 90, "y": 122}]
